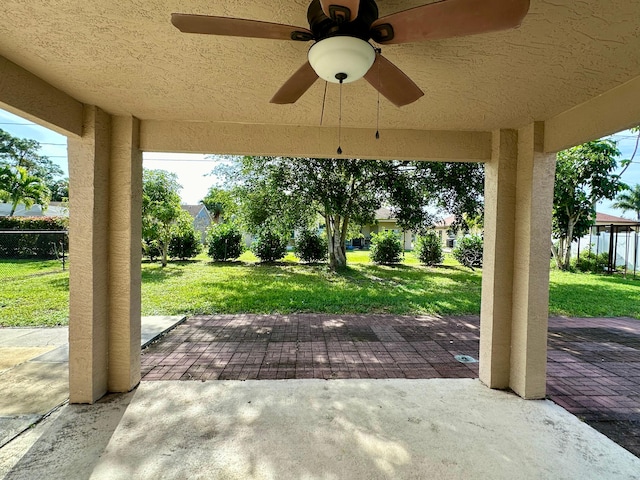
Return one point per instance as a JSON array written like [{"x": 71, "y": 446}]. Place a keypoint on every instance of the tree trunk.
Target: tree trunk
[
  {"x": 337, "y": 251},
  {"x": 556, "y": 256},
  {"x": 14, "y": 205},
  {"x": 569, "y": 239}
]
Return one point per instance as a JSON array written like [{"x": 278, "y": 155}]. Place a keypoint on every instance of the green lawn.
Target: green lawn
[{"x": 246, "y": 286}]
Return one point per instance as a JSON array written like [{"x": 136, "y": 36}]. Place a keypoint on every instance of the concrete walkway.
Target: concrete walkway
[{"x": 34, "y": 371}]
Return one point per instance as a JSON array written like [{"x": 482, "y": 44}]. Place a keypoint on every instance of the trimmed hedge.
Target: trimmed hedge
[{"x": 33, "y": 245}]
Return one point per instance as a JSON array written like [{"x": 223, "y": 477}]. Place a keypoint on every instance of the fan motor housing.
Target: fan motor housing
[{"x": 324, "y": 27}]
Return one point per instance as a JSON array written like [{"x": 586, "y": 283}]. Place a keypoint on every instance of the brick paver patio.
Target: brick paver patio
[{"x": 593, "y": 370}]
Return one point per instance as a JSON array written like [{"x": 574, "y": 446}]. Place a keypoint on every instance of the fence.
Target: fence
[
  {"x": 26, "y": 253},
  {"x": 621, "y": 243}
]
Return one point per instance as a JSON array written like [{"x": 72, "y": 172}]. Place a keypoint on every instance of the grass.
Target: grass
[{"x": 246, "y": 286}]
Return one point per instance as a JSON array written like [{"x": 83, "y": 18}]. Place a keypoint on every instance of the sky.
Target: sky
[{"x": 192, "y": 169}]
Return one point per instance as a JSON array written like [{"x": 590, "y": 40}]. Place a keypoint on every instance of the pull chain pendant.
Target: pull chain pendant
[{"x": 340, "y": 77}]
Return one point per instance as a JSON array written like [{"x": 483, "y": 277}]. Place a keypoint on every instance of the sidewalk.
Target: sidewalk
[{"x": 34, "y": 371}]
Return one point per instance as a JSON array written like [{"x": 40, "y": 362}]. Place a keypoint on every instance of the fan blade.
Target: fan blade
[
  {"x": 238, "y": 27},
  {"x": 392, "y": 82},
  {"x": 297, "y": 84},
  {"x": 449, "y": 18},
  {"x": 341, "y": 10}
]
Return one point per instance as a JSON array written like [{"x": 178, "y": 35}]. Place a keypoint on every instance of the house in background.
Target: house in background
[
  {"x": 384, "y": 220},
  {"x": 201, "y": 219},
  {"x": 55, "y": 209}
]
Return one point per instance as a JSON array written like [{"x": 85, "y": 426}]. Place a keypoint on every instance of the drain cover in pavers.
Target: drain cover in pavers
[
  {"x": 12, "y": 356},
  {"x": 12, "y": 426},
  {"x": 33, "y": 388}
]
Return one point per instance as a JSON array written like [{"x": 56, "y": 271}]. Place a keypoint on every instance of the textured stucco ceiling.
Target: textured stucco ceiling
[{"x": 126, "y": 57}]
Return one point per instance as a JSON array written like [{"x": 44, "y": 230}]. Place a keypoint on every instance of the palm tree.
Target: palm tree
[
  {"x": 16, "y": 185},
  {"x": 629, "y": 200}
]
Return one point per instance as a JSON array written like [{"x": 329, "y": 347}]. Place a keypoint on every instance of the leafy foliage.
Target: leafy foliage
[
  {"x": 185, "y": 241},
  {"x": 30, "y": 245},
  {"x": 269, "y": 246},
  {"x": 592, "y": 262},
  {"x": 386, "y": 247},
  {"x": 310, "y": 247},
  {"x": 225, "y": 242},
  {"x": 18, "y": 186},
  {"x": 584, "y": 176},
  {"x": 468, "y": 251},
  {"x": 160, "y": 209},
  {"x": 429, "y": 248},
  {"x": 629, "y": 200},
  {"x": 284, "y": 194},
  {"x": 220, "y": 204},
  {"x": 22, "y": 152}
]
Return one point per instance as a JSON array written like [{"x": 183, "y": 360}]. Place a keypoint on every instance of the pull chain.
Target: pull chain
[
  {"x": 378, "y": 52},
  {"x": 324, "y": 99},
  {"x": 341, "y": 79}
]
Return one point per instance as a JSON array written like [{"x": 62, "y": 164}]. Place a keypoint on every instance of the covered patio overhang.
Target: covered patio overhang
[{"x": 118, "y": 79}]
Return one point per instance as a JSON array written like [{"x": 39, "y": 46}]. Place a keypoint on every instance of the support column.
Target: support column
[
  {"x": 125, "y": 258},
  {"x": 515, "y": 284},
  {"x": 104, "y": 284}
]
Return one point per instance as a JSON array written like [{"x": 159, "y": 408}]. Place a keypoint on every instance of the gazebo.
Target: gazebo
[{"x": 117, "y": 78}]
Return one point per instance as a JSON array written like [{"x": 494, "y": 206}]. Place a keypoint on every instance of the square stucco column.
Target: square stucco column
[
  {"x": 104, "y": 285},
  {"x": 515, "y": 285}
]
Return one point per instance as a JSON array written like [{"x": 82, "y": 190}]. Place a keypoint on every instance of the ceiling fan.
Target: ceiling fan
[{"x": 341, "y": 30}]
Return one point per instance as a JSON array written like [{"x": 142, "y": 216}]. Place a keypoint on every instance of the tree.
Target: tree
[
  {"x": 17, "y": 185},
  {"x": 23, "y": 152},
  {"x": 160, "y": 208},
  {"x": 284, "y": 193},
  {"x": 59, "y": 190},
  {"x": 629, "y": 200},
  {"x": 220, "y": 204},
  {"x": 583, "y": 177}
]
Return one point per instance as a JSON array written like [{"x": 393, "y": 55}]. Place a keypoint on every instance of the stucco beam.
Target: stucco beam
[
  {"x": 27, "y": 95},
  {"x": 611, "y": 112},
  {"x": 305, "y": 141}
]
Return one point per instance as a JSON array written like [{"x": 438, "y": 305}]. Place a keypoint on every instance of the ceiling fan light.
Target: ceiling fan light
[{"x": 334, "y": 57}]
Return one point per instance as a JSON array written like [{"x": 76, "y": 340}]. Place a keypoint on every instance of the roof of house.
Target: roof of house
[
  {"x": 194, "y": 210},
  {"x": 606, "y": 219},
  {"x": 53, "y": 210}
]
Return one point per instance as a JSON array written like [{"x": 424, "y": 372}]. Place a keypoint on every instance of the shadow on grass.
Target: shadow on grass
[
  {"x": 291, "y": 287},
  {"x": 159, "y": 274}
]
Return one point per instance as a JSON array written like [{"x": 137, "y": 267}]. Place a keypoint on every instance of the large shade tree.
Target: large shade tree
[
  {"x": 584, "y": 176},
  {"x": 284, "y": 193},
  {"x": 160, "y": 209},
  {"x": 25, "y": 153}
]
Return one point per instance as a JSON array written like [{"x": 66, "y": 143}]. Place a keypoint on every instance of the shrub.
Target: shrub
[
  {"x": 429, "y": 248},
  {"x": 225, "y": 242},
  {"x": 151, "y": 249},
  {"x": 310, "y": 247},
  {"x": 269, "y": 246},
  {"x": 469, "y": 251},
  {"x": 592, "y": 262},
  {"x": 386, "y": 247},
  {"x": 185, "y": 241},
  {"x": 33, "y": 245}
]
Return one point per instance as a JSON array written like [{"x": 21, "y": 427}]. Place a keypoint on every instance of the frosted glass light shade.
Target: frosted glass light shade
[{"x": 341, "y": 55}]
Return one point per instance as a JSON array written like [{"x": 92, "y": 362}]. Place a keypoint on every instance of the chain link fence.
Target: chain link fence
[{"x": 26, "y": 253}]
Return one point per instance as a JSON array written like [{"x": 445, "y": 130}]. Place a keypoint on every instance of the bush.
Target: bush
[
  {"x": 310, "y": 247},
  {"x": 269, "y": 246},
  {"x": 33, "y": 245},
  {"x": 386, "y": 248},
  {"x": 185, "y": 241},
  {"x": 469, "y": 251},
  {"x": 590, "y": 262},
  {"x": 225, "y": 242},
  {"x": 429, "y": 248},
  {"x": 151, "y": 249}
]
